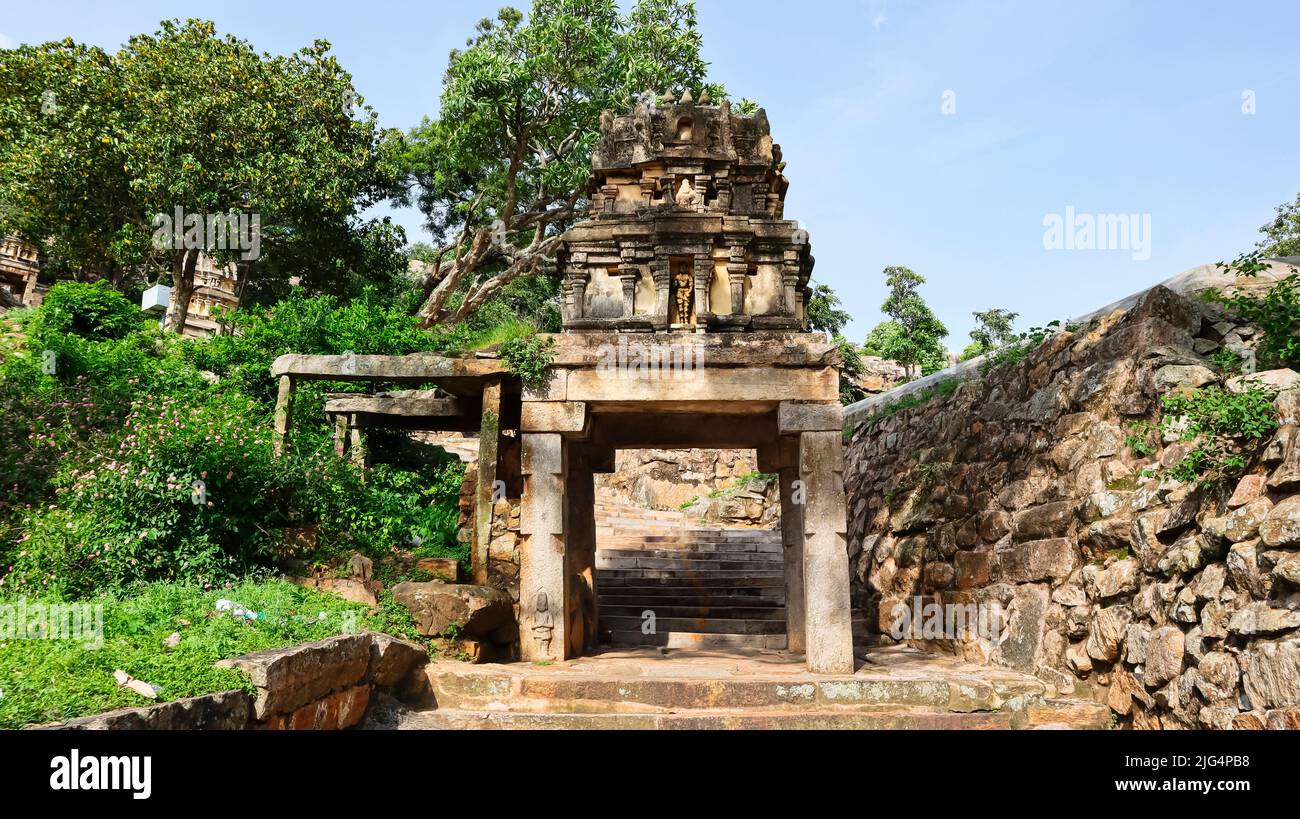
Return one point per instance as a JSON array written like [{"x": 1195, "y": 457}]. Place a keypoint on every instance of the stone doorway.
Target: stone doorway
[{"x": 689, "y": 552}]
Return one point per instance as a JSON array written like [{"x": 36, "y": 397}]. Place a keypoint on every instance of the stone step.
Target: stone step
[
  {"x": 677, "y": 609},
  {"x": 733, "y": 719},
  {"x": 695, "y": 625},
  {"x": 624, "y": 578},
  {"x": 622, "y": 682},
  {"x": 692, "y": 601},
  {"x": 696, "y": 640},
  {"x": 688, "y": 574},
  {"x": 688, "y": 563},
  {"x": 753, "y": 555}
]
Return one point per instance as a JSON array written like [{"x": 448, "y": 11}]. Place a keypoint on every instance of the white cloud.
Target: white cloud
[
  {"x": 6, "y": 41},
  {"x": 878, "y": 21}
]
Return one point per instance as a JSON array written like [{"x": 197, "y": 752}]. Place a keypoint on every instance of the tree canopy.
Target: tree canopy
[
  {"x": 913, "y": 335},
  {"x": 501, "y": 172},
  {"x": 97, "y": 145}
]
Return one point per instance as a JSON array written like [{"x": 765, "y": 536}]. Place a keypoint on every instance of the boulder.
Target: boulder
[
  {"x": 476, "y": 611},
  {"x": 1243, "y": 523},
  {"x": 1282, "y": 525},
  {"x": 1107, "y": 633},
  {"x": 1164, "y": 656},
  {"x": 1271, "y": 674},
  {"x": 1260, "y": 618}
]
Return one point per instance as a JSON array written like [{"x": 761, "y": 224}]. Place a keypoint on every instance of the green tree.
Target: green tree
[
  {"x": 1282, "y": 235},
  {"x": 97, "y": 146},
  {"x": 519, "y": 116},
  {"x": 825, "y": 316},
  {"x": 913, "y": 335},
  {"x": 993, "y": 329}
]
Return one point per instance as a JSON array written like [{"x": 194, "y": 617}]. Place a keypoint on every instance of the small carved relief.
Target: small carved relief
[
  {"x": 683, "y": 295},
  {"x": 543, "y": 624}
]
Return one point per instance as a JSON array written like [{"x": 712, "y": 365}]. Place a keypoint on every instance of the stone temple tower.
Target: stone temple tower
[{"x": 687, "y": 228}]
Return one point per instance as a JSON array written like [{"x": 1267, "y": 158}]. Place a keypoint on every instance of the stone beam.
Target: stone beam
[
  {"x": 828, "y": 631},
  {"x": 488, "y": 441},
  {"x": 410, "y": 404},
  {"x": 554, "y": 416},
  {"x": 795, "y": 417},
  {"x": 458, "y": 375},
  {"x": 755, "y": 383},
  {"x": 542, "y": 577},
  {"x": 666, "y": 429}
]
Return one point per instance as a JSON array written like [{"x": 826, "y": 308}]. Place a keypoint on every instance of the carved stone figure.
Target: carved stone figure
[
  {"x": 682, "y": 293},
  {"x": 543, "y": 624},
  {"x": 686, "y": 196}
]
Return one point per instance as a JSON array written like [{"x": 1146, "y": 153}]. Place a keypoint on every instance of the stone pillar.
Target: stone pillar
[
  {"x": 737, "y": 269},
  {"x": 793, "y": 498},
  {"x": 577, "y": 281},
  {"x": 647, "y": 192},
  {"x": 357, "y": 446},
  {"x": 341, "y": 434},
  {"x": 283, "y": 416},
  {"x": 829, "y": 636},
  {"x": 629, "y": 273},
  {"x": 723, "y": 202},
  {"x": 580, "y": 556},
  {"x": 488, "y": 442},
  {"x": 542, "y": 576},
  {"x": 790, "y": 283},
  {"x": 703, "y": 279},
  {"x": 661, "y": 270}
]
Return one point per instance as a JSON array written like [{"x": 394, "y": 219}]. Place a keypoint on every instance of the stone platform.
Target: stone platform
[{"x": 644, "y": 688}]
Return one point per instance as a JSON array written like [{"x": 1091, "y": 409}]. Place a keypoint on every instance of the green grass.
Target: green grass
[
  {"x": 940, "y": 389},
  {"x": 52, "y": 680}
]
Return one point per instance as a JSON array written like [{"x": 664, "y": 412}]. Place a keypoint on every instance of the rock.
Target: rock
[
  {"x": 392, "y": 658},
  {"x": 1137, "y": 637},
  {"x": 1282, "y": 525},
  {"x": 1286, "y": 478},
  {"x": 1120, "y": 577},
  {"x": 1173, "y": 376},
  {"x": 1076, "y": 656},
  {"x": 1243, "y": 568},
  {"x": 1025, "y": 622},
  {"x": 356, "y": 591},
  {"x": 223, "y": 711},
  {"x": 1035, "y": 560},
  {"x": 1271, "y": 674},
  {"x": 1164, "y": 656},
  {"x": 1283, "y": 719},
  {"x": 1048, "y": 520},
  {"x": 1209, "y": 583},
  {"x": 1218, "y": 674},
  {"x": 1124, "y": 689},
  {"x": 1268, "y": 379},
  {"x": 1260, "y": 618},
  {"x": 289, "y": 678},
  {"x": 1248, "y": 489},
  {"x": 360, "y": 567},
  {"x": 475, "y": 610},
  {"x": 1243, "y": 523},
  {"x": 444, "y": 568},
  {"x": 1107, "y": 633},
  {"x": 1288, "y": 568}
]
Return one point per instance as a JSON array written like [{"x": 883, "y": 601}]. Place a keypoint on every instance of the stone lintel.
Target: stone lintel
[
  {"x": 793, "y": 417},
  {"x": 554, "y": 416}
]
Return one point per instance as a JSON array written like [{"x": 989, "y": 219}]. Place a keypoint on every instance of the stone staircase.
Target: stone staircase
[
  {"x": 708, "y": 586},
  {"x": 640, "y": 688}
]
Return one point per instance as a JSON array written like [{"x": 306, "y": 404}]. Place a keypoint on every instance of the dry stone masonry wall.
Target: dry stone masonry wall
[{"x": 1021, "y": 492}]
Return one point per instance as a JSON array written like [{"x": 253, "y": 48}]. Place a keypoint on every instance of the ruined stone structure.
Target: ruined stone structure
[
  {"x": 684, "y": 297},
  {"x": 687, "y": 227},
  {"x": 19, "y": 265}
]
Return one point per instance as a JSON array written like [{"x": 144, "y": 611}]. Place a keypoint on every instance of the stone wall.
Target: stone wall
[
  {"x": 710, "y": 485},
  {"x": 1018, "y": 493},
  {"x": 324, "y": 685}
]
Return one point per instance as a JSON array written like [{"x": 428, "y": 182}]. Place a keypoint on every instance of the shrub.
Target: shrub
[
  {"x": 1225, "y": 426},
  {"x": 1276, "y": 313},
  {"x": 92, "y": 311}
]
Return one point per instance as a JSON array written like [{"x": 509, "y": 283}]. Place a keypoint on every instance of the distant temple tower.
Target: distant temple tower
[
  {"x": 686, "y": 228},
  {"x": 19, "y": 265}
]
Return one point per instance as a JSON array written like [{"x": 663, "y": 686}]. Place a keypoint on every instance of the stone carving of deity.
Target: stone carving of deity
[
  {"x": 682, "y": 287},
  {"x": 686, "y": 196}
]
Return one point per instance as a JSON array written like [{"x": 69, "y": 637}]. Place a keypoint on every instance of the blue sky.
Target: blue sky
[{"x": 937, "y": 135}]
